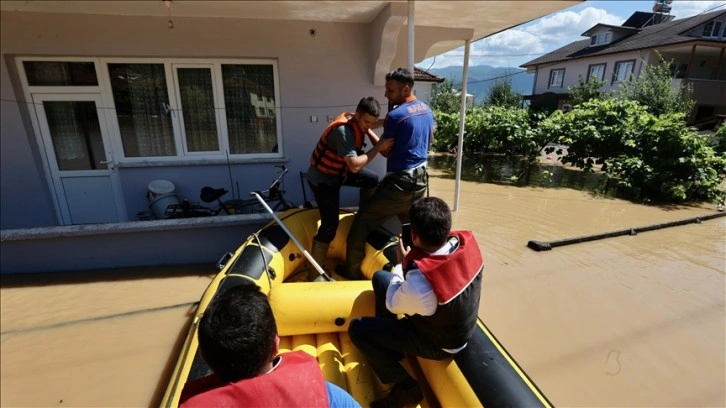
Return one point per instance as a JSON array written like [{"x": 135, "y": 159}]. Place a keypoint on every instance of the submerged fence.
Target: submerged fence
[{"x": 546, "y": 246}]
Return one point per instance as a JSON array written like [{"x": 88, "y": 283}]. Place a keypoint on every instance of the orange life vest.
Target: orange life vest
[{"x": 325, "y": 156}]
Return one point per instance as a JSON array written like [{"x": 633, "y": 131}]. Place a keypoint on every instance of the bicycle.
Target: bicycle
[{"x": 274, "y": 196}]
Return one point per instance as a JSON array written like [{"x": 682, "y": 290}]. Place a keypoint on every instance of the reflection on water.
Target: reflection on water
[
  {"x": 500, "y": 169},
  {"x": 631, "y": 321}
]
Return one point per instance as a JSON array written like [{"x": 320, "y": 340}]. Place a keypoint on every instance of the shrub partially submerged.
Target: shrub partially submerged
[{"x": 648, "y": 157}]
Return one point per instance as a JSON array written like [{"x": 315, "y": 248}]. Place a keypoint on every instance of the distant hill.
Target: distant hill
[{"x": 481, "y": 78}]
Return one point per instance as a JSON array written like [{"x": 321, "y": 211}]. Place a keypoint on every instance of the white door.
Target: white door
[{"x": 76, "y": 145}]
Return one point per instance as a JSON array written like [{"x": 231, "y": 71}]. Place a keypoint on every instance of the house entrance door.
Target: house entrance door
[{"x": 75, "y": 141}]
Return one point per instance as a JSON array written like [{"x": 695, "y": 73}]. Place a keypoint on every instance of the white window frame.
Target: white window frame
[
  {"x": 221, "y": 141},
  {"x": 604, "y": 66},
  {"x": 616, "y": 71},
  {"x": 716, "y": 31},
  {"x": 182, "y": 155},
  {"x": 553, "y": 76},
  {"x": 600, "y": 39}
]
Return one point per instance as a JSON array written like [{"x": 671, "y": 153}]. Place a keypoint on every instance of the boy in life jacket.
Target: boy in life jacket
[
  {"x": 238, "y": 340},
  {"x": 338, "y": 160},
  {"x": 437, "y": 287}
]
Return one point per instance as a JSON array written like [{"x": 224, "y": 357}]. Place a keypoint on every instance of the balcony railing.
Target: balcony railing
[{"x": 705, "y": 91}]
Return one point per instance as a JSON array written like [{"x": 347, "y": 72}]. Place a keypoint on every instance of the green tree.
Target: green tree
[
  {"x": 445, "y": 98},
  {"x": 654, "y": 90},
  {"x": 502, "y": 94},
  {"x": 585, "y": 91}
]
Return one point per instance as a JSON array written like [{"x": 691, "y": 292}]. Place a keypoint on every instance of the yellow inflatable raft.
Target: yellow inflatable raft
[{"x": 314, "y": 317}]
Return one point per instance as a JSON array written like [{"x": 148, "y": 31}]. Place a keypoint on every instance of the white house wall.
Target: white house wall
[
  {"x": 319, "y": 76},
  {"x": 25, "y": 199},
  {"x": 574, "y": 69}
]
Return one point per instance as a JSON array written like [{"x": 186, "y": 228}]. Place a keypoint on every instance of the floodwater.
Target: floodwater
[{"x": 630, "y": 321}]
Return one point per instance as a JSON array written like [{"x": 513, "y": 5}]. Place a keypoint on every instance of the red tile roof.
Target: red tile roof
[{"x": 423, "y": 76}]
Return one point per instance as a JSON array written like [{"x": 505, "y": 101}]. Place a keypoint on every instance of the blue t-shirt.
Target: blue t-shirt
[
  {"x": 411, "y": 124},
  {"x": 339, "y": 398}
]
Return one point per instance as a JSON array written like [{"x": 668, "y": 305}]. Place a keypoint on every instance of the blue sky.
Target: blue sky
[{"x": 518, "y": 45}]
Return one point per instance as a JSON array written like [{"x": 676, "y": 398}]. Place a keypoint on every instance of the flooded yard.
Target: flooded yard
[{"x": 636, "y": 321}]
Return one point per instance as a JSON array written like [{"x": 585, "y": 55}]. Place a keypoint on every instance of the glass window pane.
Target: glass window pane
[
  {"x": 76, "y": 135},
  {"x": 142, "y": 109},
  {"x": 707, "y": 29},
  {"x": 246, "y": 89},
  {"x": 623, "y": 71},
  {"x": 197, "y": 104},
  {"x": 59, "y": 73},
  {"x": 597, "y": 72}
]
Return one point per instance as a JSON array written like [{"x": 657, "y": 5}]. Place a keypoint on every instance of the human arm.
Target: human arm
[
  {"x": 356, "y": 163},
  {"x": 387, "y": 133},
  {"x": 373, "y": 137},
  {"x": 414, "y": 295}
]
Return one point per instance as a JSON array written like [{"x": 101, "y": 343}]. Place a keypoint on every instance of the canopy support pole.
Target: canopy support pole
[{"x": 462, "y": 119}]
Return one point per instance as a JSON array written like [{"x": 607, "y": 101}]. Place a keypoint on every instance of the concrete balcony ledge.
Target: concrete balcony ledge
[
  {"x": 76, "y": 248},
  {"x": 133, "y": 227}
]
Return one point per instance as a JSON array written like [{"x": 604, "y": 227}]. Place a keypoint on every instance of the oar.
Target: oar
[{"x": 309, "y": 257}]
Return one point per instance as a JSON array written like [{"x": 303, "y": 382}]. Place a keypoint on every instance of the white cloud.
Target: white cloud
[
  {"x": 682, "y": 9},
  {"x": 521, "y": 44},
  {"x": 518, "y": 45},
  {"x": 568, "y": 25}
]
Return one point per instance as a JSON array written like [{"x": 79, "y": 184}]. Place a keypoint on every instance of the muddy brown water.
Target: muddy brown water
[{"x": 631, "y": 321}]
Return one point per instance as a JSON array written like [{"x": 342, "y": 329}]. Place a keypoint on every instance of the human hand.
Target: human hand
[
  {"x": 403, "y": 250},
  {"x": 384, "y": 145}
]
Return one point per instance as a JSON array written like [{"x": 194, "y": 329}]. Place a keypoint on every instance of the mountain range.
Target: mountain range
[{"x": 482, "y": 77}]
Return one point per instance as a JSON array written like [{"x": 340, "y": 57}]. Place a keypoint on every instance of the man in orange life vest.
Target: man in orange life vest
[
  {"x": 337, "y": 161},
  {"x": 238, "y": 339},
  {"x": 437, "y": 287}
]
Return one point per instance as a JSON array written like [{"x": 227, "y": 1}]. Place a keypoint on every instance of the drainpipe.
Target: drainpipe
[
  {"x": 411, "y": 31},
  {"x": 462, "y": 117}
]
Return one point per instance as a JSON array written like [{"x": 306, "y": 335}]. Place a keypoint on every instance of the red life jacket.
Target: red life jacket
[
  {"x": 325, "y": 156},
  {"x": 456, "y": 281},
  {"x": 296, "y": 381},
  {"x": 449, "y": 274}
]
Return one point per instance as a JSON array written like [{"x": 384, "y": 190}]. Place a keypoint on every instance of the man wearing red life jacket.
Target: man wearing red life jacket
[
  {"x": 437, "y": 287},
  {"x": 337, "y": 161},
  {"x": 238, "y": 340}
]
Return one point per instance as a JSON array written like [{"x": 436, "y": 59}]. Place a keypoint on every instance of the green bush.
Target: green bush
[
  {"x": 494, "y": 129},
  {"x": 654, "y": 90},
  {"x": 720, "y": 136},
  {"x": 594, "y": 130},
  {"x": 648, "y": 157},
  {"x": 446, "y": 135},
  {"x": 585, "y": 91}
]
